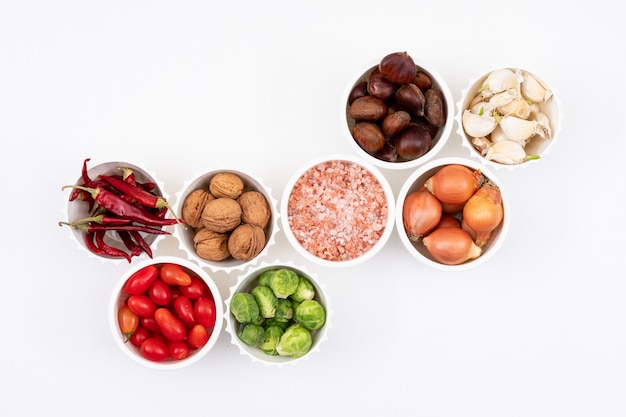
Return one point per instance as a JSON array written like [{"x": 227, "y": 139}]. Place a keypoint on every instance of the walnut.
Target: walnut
[
  {"x": 221, "y": 215},
  {"x": 193, "y": 206},
  {"x": 254, "y": 208},
  {"x": 210, "y": 245},
  {"x": 246, "y": 242},
  {"x": 226, "y": 185}
]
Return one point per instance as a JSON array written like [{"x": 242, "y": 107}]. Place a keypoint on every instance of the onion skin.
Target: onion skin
[
  {"x": 483, "y": 213},
  {"x": 447, "y": 221},
  {"x": 454, "y": 184},
  {"x": 421, "y": 213},
  {"x": 451, "y": 246}
]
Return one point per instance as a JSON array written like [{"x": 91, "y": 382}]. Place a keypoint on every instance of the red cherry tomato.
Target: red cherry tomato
[
  {"x": 184, "y": 309},
  {"x": 160, "y": 293},
  {"x": 155, "y": 350},
  {"x": 128, "y": 321},
  {"x": 178, "y": 350},
  {"x": 150, "y": 324},
  {"x": 193, "y": 290},
  {"x": 204, "y": 311},
  {"x": 139, "y": 336},
  {"x": 174, "y": 274},
  {"x": 171, "y": 327},
  {"x": 198, "y": 336},
  {"x": 139, "y": 282},
  {"x": 141, "y": 305}
]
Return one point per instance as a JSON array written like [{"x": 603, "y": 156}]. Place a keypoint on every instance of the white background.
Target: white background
[{"x": 184, "y": 87}]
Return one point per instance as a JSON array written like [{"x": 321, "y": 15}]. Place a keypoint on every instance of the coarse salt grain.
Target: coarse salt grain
[{"x": 337, "y": 210}]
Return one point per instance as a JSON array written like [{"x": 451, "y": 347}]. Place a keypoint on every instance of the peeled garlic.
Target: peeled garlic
[
  {"x": 476, "y": 125},
  {"x": 505, "y": 97},
  {"x": 498, "y": 81},
  {"x": 533, "y": 90},
  {"x": 506, "y": 152},
  {"x": 516, "y": 129},
  {"x": 518, "y": 108},
  {"x": 498, "y": 135},
  {"x": 542, "y": 125},
  {"x": 482, "y": 144}
]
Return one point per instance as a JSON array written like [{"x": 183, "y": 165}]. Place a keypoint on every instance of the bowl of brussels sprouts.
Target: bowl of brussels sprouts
[{"x": 277, "y": 314}]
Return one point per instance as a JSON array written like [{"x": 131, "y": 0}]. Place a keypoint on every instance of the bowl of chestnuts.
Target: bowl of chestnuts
[
  {"x": 508, "y": 117},
  {"x": 398, "y": 112},
  {"x": 452, "y": 214},
  {"x": 230, "y": 219}
]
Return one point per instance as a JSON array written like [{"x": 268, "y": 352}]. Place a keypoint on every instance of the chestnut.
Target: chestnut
[
  {"x": 369, "y": 136},
  {"x": 379, "y": 86},
  {"x": 412, "y": 142},
  {"x": 359, "y": 90},
  {"x": 410, "y": 99},
  {"x": 398, "y": 67}
]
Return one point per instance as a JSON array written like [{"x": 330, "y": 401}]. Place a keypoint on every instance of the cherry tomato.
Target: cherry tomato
[
  {"x": 174, "y": 274},
  {"x": 139, "y": 336},
  {"x": 140, "y": 281},
  {"x": 155, "y": 350},
  {"x": 198, "y": 336},
  {"x": 151, "y": 324},
  {"x": 171, "y": 326},
  {"x": 204, "y": 311},
  {"x": 160, "y": 293},
  {"x": 184, "y": 309},
  {"x": 141, "y": 305},
  {"x": 193, "y": 290},
  {"x": 128, "y": 321},
  {"x": 178, "y": 350}
]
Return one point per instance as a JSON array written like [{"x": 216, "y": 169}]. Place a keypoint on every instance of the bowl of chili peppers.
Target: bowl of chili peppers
[
  {"x": 117, "y": 211},
  {"x": 165, "y": 313}
]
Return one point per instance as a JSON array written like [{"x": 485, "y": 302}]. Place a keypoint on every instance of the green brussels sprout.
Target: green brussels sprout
[
  {"x": 271, "y": 336},
  {"x": 284, "y": 310},
  {"x": 284, "y": 282},
  {"x": 305, "y": 290},
  {"x": 296, "y": 341},
  {"x": 273, "y": 322},
  {"x": 264, "y": 278},
  {"x": 244, "y": 307},
  {"x": 266, "y": 300},
  {"x": 310, "y": 314},
  {"x": 251, "y": 334}
]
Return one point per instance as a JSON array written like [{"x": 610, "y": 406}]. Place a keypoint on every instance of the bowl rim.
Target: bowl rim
[{"x": 382, "y": 180}]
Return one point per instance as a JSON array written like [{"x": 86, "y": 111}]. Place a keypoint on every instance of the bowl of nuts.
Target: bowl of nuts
[
  {"x": 398, "y": 113},
  {"x": 337, "y": 211},
  {"x": 117, "y": 211},
  {"x": 508, "y": 117},
  {"x": 165, "y": 313},
  {"x": 278, "y": 314},
  {"x": 452, "y": 214},
  {"x": 231, "y": 219}
]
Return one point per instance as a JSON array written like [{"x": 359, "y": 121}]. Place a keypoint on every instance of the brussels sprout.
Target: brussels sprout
[
  {"x": 305, "y": 290},
  {"x": 284, "y": 310},
  {"x": 278, "y": 323},
  {"x": 296, "y": 341},
  {"x": 266, "y": 300},
  {"x": 284, "y": 282},
  {"x": 271, "y": 336},
  {"x": 251, "y": 334},
  {"x": 310, "y": 314},
  {"x": 264, "y": 278},
  {"x": 244, "y": 307}
]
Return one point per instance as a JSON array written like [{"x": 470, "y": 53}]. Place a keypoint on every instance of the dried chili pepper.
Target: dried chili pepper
[
  {"x": 93, "y": 228},
  {"x": 137, "y": 193},
  {"x": 91, "y": 244},
  {"x": 108, "y": 249},
  {"x": 104, "y": 220},
  {"x": 142, "y": 243},
  {"x": 130, "y": 244}
]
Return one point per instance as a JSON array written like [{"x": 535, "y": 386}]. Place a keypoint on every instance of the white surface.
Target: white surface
[{"x": 182, "y": 86}]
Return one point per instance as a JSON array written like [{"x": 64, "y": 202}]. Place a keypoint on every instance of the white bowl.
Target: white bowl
[
  {"x": 118, "y": 298},
  {"x": 417, "y": 249},
  {"x": 77, "y": 209},
  {"x": 438, "y": 140},
  {"x": 245, "y": 283},
  {"x": 186, "y": 234},
  {"x": 358, "y": 238},
  {"x": 537, "y": 146}
]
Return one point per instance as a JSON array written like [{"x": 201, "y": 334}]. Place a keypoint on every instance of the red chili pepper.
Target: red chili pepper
[
  {"x": 91, "y": 245},
  {"x": 87, "y": 181},
  {"x": 104, "y": 220},
  {"x": 118, "y": 206},
  {"x": 93, "y": 228},
  {"x": 141, "y": 242},
  {"x": 137, "y": 193},
  {"x": 130, "y": 244},
  {"x": 108, "y": 249}
]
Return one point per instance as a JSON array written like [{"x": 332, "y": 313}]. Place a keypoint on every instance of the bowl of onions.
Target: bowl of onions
[{"x": 452, "y": 214}]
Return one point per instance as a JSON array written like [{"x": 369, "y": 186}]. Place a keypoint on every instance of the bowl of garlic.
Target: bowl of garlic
[{"x": 508, "y": 117}]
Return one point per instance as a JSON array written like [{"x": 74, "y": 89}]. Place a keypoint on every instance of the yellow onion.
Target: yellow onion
[
  {"x": 420, "y": 213},
  {"x": 451, "y": 246},
  {"x": 454, "y": 184},
  {"x": 483, "y": 213}
]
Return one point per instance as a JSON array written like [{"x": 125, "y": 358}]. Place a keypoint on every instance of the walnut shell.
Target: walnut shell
[
  {"x": 246, "y": 242},
  {"x": 254, "y": 208},
  {"x": 226, "y": 185},
  {"x": 221, "y": 215},
  {"x": 210, "y": 245},
  {"x": 193, "y": 206}
]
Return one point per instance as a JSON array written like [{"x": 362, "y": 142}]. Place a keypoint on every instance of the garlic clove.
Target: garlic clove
[
  {"x": 476, "y": 125},
  {"x": 516, "y": 129},
  {"x": 498, "y": 81},
  {"x": 534, "y": 90},
  {"x": 498, "y": 135},
  {"x": 505, "y": 97},
  {"x": 517, "y": 107},
  {"x": 482, "y": 108},
  {"x": 506, "y": 152},
  {"x": 542, "y": 125},
  {"x": 481, "y": 144}
]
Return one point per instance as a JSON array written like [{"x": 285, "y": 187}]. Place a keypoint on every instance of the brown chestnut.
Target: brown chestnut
[
  {"x": 422, "y": 80},
  {"x": 359, "y": 90},
  {"x": 412, "y": 142},
  {"x": 395, "y": 122},
  {"x": 398, "y": 67},
  {"x": 379, "y": 86},
  {"x": 387, "y": 153},
  {"x": 434, "y": 108},
  {"x": 369, "y": 137},
  {"x": 368, "y": 108},
  {"x": 410, "y": 99}
]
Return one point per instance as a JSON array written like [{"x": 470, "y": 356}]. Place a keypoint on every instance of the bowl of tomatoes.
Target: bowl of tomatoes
[{"x": 165, "y": 313}]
